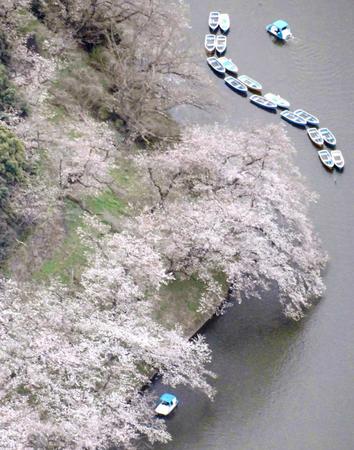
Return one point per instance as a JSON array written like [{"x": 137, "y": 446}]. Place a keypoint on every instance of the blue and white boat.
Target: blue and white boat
[
  {"x": 217, "y": 67},
  {"x": 275, "y": 98},
  {"x": 326, "y": 158},
  {"x": 229, "y": 65},
  {"x": 213, "y": 20},
  {"x": 210, "y": 43},
  {"x": 252, "y": 85},
  {"x": 224, "y": 22},
  {"x": 221, "y": 43},
  {"x": 280, "y": 29},
  {"x": 236, "y": 85},
  {"x": 263, "y": 103},
  {"x": 338, "y": 159},
  {"x": 310, "y": 119},
  {"x": 293, "y": 118},
  {"x": 166, "y": 405},
  {"x": 315, "y": 136},
  {"x": 328, "y": 137}
]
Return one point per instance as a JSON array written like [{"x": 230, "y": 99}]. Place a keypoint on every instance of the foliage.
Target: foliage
[
  {"x": 36, "y": 7},
  {"x": 106, "y": 201},
  {"x": 12, "y": 157},
  {"x": 140, "y": 65},
  {"x": 10, "y": 101},
  {"x": 70, "y": 362},
  {"x": 5, "y": 54},
  {"x": 232, "y": 202}
]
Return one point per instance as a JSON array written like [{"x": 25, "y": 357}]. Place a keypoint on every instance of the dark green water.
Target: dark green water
[{"x": 285, "y": 386}]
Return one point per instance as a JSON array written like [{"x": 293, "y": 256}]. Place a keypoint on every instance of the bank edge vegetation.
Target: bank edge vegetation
[{"x": 225, "y": 205}]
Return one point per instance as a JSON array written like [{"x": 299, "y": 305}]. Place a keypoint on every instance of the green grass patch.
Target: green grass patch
[
  {"x": 29, "y": 25},
  {"x": 69, "y": 259},
  {"x": 59, "y": 113},
  {"x": 125, "y": 175},
  {"x": 105, "y": 202},
  {"x": 179, "y": 303},
  {"x": 74, "y": 134}
]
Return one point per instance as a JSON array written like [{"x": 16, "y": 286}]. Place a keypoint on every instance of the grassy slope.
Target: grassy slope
[{"x": 179, "y": 298}]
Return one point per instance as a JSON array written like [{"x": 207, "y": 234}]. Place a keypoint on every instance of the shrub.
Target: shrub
[
  {"x": 36, "y": 8},
  {"x": 5, "y": 55},
  {"x": 12, "y": 159},
  {"x": 10, "y": 101}
]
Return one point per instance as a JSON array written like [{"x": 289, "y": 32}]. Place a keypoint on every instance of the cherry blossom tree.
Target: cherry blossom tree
[
  {"x": 233, "y": 202},
  {"x": 138, "y": 52},
  {"x": 72, "y": 362}
]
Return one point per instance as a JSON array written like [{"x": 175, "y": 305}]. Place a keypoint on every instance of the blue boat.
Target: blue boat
[
  {"x": 214, "y": 20},
  {"x": 328, "y": 137},
  {"x": 315, "y": 136},
  {"x": 326, "y": 159},
  {"x": 217, "y": 67},
  {"x": 221, "y": 44},
  {"x": 210, "y": 43},
  {"x": 310, "y": 119},
  {"x": 236, "y": 85},
  {"x": 280, "y": 29},
  {"x": 167, "y": 404},
  {"x": 263, "y": 103},
  {"x": 338, "y": 159},
  {"x": 229, "y": 65},
  {"x": 253, "y": 85},
  {"x": 224, "y": 22},
  {"x": 293, "y": 118}
]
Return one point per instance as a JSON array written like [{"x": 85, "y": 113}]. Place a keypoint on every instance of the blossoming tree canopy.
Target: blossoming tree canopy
[
  {"x": 232, "y": 201},
  {"x": 72, "y": 362}
]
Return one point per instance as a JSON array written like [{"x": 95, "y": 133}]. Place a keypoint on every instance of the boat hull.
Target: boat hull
[
  {"x": 293, "y": 119},
  {"x": 210, "y": 43},
  {"x": 263, "y": 103},
  {"x": 224, "y": 23},
  {"x": 221, "y": 44},
  {"x": 315, "y": 137},
  {"x": 238, "y": 87},
  {"x": 280, "y": 102},
  {"x": 338, "y": 159},
  {"x": 310, "y": 119},
  {"x": 252, "y": 85},
  {"x": 216, "y": 67},
  {"x": 326, "y": 159},
  {"x": 213, "y": 21},
  {"x": 230, "y": 67},
  {"x": 328, "y": 137}
]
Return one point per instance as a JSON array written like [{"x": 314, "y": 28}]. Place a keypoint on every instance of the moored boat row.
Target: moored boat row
[
  {"x": 331, "y": 159},
  {"x": 241, "y": 84},
  {"x": 213, "y": 42},
  {"x": 293, "y": 118},
  {"x": 219, "y": 20},
  {"x": 321, "y": 136}
]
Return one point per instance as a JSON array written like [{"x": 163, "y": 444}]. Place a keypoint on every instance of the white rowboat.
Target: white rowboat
[
  {"x": 210, "y": 43},
  {"x": 279, "y": 101},
  {"x": 338, "y": 159},
  {"x": 213, "y": 20},
  {"x": 224, "y": 22}
]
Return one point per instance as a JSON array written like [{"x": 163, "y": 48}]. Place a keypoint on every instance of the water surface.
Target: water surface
[{"x": 282, "y": 385}]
